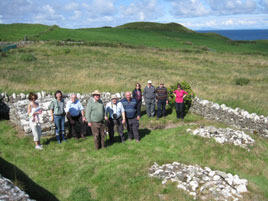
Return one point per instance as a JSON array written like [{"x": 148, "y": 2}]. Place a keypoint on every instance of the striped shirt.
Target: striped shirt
[
  {"x": 130, "y": 108},
  {"x": 161, "y": 93}
]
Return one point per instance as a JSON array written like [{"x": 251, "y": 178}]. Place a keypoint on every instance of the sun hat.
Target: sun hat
[
  {"x": 149, "y": 82},
  {"x": 113, "y": 97},
  {"x": 96, "y": 92}
]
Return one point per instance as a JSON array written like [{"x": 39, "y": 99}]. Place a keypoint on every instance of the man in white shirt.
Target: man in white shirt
[
  {"x": 76, "y": 116},
  {"x": 115, "y": 115}
]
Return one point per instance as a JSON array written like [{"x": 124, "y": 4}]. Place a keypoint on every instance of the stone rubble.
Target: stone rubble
[
  {"x": 224, "y": 135},
  {"x": 237, "y": 117},
  {"x": 10, "y": 192},
  {"x": 204, "y": 184}
]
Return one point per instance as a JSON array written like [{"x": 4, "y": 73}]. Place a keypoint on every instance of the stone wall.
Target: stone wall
[
  {"x": 18, "y": 103},
  {"x": 237, "y": 117}
]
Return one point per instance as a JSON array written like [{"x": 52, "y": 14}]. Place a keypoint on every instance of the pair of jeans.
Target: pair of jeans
[
  {"x": 150, "y": 107},
  {"x": 59, "y": 121},
  {"x": 180, "y": 110},
  {"x": 139, "y": 107},
  {"x": 161, "y": 108}
]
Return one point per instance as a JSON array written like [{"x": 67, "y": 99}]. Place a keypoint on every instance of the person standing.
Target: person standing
[
  {"x": 76, "y": 116},
  {"x": 116, "y": 113},
  {"x": 132, "y": 116},
  {"x": 180, "y": 95},
  {"x": 149, "y": 98},
  {"x": 137, "y": 94},
  {"x": 95, "y": 116},
  {"x": 162, "y": 100},
  {"x": 34, "y": 111},
  {"x": 57, "y": 112}
]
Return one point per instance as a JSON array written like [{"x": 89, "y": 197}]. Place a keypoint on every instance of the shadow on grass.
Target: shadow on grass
[
  {"x": 35, "y": 191},
  {"x": 86, "y": 130}
]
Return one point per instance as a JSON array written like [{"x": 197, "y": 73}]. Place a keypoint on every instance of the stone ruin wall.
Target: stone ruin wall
[{"x": 239, "y": 118}]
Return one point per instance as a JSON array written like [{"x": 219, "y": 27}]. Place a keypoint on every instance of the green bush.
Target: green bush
[
  {"x": 242, "y": 81},
  {"x": 187, "y": 100},
  {"x": 27, "y": 57},
  {"x": 67, "y": 51}
]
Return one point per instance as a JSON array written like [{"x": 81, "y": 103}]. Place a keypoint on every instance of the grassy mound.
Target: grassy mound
[{"x": 152, "y": 26}]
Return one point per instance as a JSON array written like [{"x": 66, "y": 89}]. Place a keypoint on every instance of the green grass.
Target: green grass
[
  {"x": 145, "y": 34},
  {"x": 75, "y": 171},
  {"x": 83, "y": 69},
  {"x": 16, "y": 32}
]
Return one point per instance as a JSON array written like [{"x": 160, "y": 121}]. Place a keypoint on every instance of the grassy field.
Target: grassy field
[
  {"x": 114, "y": 59},
  {"x": 82, "y": 69},
  {"x": 75, "y": 171}
]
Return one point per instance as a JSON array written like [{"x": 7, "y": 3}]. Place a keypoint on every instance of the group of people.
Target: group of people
[{"x": 98, "y": 117}]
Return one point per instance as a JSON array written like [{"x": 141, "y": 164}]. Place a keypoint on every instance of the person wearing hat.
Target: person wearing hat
[
  {"x": 115, "y": 115},
  {"x": 95, "y": 116},
  {"x": 149, "y": 98},
  {"x": 161, "y": 99},
  {"x": 76, "y": 116}
]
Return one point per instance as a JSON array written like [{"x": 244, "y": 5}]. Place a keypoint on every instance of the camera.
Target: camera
[{"x": 114, "y": 116}]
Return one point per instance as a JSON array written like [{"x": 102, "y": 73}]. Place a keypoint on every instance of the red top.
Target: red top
[{"x": 179, "y": 95}]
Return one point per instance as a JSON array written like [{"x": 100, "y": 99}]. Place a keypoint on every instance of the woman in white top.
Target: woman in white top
[{"x": 33, "y": 112}]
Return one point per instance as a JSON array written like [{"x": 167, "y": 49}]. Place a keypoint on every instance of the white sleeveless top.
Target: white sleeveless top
[{"x": 34, "y": 118}]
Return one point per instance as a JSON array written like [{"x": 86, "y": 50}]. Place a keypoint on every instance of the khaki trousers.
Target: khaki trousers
[{"x": 97, "y": 129}]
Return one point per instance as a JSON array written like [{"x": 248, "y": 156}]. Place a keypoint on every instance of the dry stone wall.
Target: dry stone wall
[
  {"x": 18, "y": 109},
  {"x": 237, "y": 117}
]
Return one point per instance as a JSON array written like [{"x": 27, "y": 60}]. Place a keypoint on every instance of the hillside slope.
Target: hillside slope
[{"x": 143, "y": 34}]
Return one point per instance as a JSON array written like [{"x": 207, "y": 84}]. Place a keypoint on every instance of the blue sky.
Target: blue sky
[{"x": 194, "y": 14}]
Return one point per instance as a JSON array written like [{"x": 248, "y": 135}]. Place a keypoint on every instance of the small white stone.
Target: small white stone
[
  {"x": 241, "y": 188},
  {"x": 216, "y": 178}
]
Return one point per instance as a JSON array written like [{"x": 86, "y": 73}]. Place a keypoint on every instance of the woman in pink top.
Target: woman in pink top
[{"x": 180, "y": 94}]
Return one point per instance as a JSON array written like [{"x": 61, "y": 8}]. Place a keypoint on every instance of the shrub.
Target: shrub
[
  {"x": 188, "y": 43},
  {"x": 242, "y": 81},
  {"x": 27, "y": 57},
  {"x": 67, "y": 51},
  {"x": 187, "y": 100}
]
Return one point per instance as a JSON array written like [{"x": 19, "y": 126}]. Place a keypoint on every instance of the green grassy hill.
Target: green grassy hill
[
  {"x": 145, "y": 34},
  {"x": 15, "y": 32}
]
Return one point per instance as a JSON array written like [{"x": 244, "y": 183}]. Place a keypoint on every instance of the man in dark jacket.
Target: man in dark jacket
[
  {"x": 149, "y": 98},
  {"x": 162, "y": 100},
  {"x": 132, "y": 116}
]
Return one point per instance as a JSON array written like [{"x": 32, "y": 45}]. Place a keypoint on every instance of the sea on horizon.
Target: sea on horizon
[{"x": 243, "y": 34}]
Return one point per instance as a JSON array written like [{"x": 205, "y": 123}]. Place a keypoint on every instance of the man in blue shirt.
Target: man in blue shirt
[
  {"x": 132, "y": 116},
  {"x": 76, "y": 116},
  {"x": 116, "y": 113}
]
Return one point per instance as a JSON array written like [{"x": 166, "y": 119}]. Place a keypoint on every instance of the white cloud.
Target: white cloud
[
  {"x": 189, "y": 8},
  {"x": 145, "y": 10},
  {"x": 224, "y": 22},
  {"x": 230, "y": 7},
  {"x": 1, "y": 19},
  {"x": 100, "y": 8},
  {"x": 48, "y": 15},
  {"x": 77, "y": 15},
  {"x": 71, "y": 6}
]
